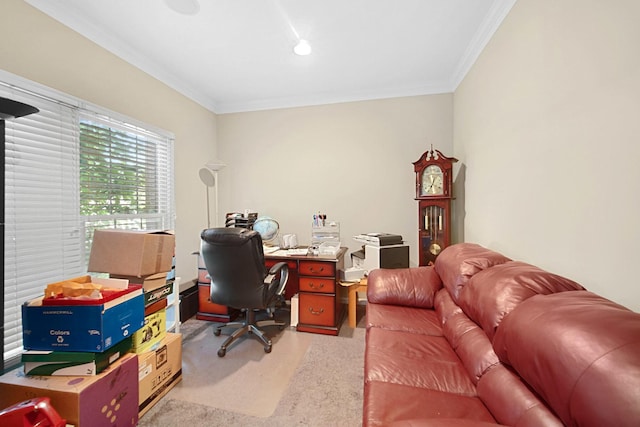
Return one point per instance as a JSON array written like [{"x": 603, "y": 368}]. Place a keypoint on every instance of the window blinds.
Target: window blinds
[
  {"x": 72, "y": 168},
  {"x": 43, "y": 237}
]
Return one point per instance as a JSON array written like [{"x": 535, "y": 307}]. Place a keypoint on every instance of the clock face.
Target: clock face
[{"x": 432, "y": 181}]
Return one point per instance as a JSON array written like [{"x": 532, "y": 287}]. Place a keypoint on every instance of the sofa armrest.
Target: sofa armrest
[{"x": 412, "y": 287}]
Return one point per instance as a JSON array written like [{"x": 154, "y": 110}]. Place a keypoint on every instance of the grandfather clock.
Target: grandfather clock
[{"x": 434, "y": 192}]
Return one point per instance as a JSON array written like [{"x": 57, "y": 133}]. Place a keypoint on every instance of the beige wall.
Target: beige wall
[
  {"x": 351, "y": 161},
  {"x": 547, "y": 127},
  {"x": 544, "y": 126},
  {"x": 38, "y": 48}
]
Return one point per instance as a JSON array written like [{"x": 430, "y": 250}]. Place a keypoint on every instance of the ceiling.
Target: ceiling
[{"x": 237, "y": 55}]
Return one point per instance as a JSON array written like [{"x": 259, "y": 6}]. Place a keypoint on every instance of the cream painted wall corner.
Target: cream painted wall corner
[{"x": 55, "y": 56}]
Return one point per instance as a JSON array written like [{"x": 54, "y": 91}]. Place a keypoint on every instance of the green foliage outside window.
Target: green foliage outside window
[{"x": 117, "y": 172}]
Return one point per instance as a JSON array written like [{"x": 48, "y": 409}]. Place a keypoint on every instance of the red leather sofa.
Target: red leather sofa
[{"x": 482, "y": 340}]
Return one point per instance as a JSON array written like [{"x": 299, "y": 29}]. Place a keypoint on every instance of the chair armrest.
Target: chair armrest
[
  {"x": 277, "y": 267},
  {"x": 412, "y": 287},
  {"x": 283, "y": 269}
]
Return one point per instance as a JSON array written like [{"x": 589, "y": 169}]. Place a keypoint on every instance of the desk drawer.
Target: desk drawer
[
  {"x": 315, "y": 284},
  {"x": 271, "y": 262},
  {"x": 317, "y": 309},
  {"x": 206, "y": 305},
  {"x": 203, "y": 276},
  {"x": 317, "y": 268}
]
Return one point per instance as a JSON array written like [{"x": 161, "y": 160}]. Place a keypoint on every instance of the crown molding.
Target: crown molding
[
  {"x": 119, "y": 48},
  {"x": 485, "y": 32}
]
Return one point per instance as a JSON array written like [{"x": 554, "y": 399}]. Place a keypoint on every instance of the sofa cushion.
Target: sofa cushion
[
  {"x": 442, "y": 422},
  {"x": 494, "y": 292},
  {"x": 413, "y": 287},
  {"x": 399, "y": 357},
  {"x": 579, "y": 352},
  {"x": 457, "y": 263},
  {"x": 400, "y": 318},
  {"x": 385, "y": 403}
]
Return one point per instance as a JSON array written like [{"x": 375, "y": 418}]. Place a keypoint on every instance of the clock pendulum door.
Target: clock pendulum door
[{"x": 432, "y": 239}]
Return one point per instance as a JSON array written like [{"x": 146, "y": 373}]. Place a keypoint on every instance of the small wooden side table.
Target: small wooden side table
[{"x": 353, "y": 298}]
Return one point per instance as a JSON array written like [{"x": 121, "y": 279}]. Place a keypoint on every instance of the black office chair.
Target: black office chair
[{"x": 234, "y": 259}]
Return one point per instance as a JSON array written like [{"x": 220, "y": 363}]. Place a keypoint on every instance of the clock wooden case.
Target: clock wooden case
[{"x": 434, "y": 192}]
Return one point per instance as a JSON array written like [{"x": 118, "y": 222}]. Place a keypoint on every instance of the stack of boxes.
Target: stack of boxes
[
  {"x": 143, "y": 258},
  {"x": 89, "y": 356},
  {"x": 147, "y": 259}
]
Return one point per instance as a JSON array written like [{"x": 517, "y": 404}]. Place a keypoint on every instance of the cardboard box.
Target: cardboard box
[
  {"x": 72, "y": 362},
  {"x": 149, "y": 283},
  {"x": 157, "y": 294},
  {"x": 159, "y": 371},
  {"x": 157, "y": 288},
  {"x": 153, "y": 331},
  {"x": 109, "y": 399},
  {"x": 131, "y": 253},
  {"x": 92, "y": 328},
  {"x": 153, "y": 307},
  {"x": 74, "y": 294}
]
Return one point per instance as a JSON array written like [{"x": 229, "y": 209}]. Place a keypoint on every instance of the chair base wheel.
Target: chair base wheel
[{"x": 249, "y": 327}]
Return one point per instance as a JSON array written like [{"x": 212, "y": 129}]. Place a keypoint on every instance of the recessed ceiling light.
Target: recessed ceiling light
[
  {"x": 302, "y": 48},
  {"x": 185, "y": 7}
]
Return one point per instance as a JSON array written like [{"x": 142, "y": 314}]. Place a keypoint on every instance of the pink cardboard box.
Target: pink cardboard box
[{"x": 109, "y": 399}]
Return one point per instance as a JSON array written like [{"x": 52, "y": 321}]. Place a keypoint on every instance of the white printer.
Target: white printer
[{"x": 380, "y": 250}]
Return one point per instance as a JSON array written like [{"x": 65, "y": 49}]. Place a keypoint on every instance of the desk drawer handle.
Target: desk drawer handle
[
  {"x": 311, "y": 269},
  {"x": 316, "y": 313},
  {"x": 314, "y": 286}
]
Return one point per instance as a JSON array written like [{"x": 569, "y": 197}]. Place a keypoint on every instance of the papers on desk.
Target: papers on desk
[
  {"x": 270, "y": 249},
  {"x": 329, "y": 248},
  {"x": 297, "y": 251},
  {"x": 291, "y": 252}
]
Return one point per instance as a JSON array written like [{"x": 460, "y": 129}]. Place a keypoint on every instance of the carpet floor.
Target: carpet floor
[
  {"x": 205, "y": 376},
  {"x": 307, "y": 380}
]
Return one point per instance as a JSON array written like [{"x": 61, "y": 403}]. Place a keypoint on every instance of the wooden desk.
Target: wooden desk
[
  {"x": 315, "y": 279},
  {"x": 208, "y": 310}
]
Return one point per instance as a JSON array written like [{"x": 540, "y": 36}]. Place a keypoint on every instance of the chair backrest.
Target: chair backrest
[{"x": 234, "y": 259}]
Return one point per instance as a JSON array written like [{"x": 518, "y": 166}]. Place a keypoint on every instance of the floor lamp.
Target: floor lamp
[{"x": 209, "y": 177}]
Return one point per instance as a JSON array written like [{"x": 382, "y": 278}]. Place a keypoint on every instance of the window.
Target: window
[
  {"x": 125, "y": 177},
  {"x": 69, "y": 170}
]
